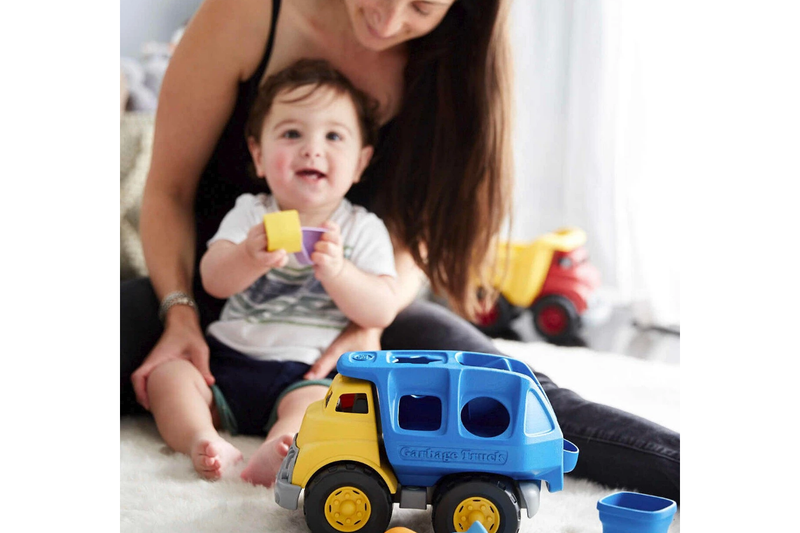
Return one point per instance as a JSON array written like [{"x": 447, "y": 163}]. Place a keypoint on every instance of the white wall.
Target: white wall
[
  {"x": 151, "y": 20},
  {"x": 589, "y": 144}
]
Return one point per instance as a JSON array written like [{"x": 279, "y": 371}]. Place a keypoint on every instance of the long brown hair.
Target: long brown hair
[{"x": 449, "y": 165}]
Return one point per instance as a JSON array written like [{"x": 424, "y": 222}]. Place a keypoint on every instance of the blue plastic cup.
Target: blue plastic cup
[{"x": 632, "y": 512}]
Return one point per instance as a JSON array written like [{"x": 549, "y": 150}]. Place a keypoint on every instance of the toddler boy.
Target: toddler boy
[{"x": 311, "y": 135}]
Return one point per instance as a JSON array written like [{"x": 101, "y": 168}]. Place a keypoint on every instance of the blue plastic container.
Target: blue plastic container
[
  {"x": 570, "y": 456},
  {"x": 632, "y": 512}
]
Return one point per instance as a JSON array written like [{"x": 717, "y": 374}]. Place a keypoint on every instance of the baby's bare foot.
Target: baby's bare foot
[
  {"x": 212, "y": 457},
  {"x": 262, "y": 468}
]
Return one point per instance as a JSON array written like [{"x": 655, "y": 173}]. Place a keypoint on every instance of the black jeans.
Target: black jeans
[{"x": 617, "y": 449}]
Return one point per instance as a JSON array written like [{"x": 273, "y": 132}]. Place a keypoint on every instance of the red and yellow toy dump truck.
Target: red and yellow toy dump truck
[
  {"x": 471, "y": 434},
  {"x": 552, "y": 276}
]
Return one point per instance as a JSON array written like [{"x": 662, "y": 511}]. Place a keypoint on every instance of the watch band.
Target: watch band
[{"x": 175, "y": 298}]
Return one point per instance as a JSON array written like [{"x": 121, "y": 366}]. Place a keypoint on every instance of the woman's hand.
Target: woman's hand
[
  {"x": 182, "y": 339},
  {"x": 352, "y": 338}
]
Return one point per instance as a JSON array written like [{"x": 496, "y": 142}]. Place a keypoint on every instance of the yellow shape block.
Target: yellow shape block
[{"x": 283, "y": 231}]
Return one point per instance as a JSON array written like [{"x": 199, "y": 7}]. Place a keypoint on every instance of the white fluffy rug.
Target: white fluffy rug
[{"x": 159, "y": 491}]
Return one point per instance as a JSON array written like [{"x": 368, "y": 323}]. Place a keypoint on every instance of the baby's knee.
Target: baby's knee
[
  {"x": 167, "y": 374},
  {"x": 299, "y": 399}
]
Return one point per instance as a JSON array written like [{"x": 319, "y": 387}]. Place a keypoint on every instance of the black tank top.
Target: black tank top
[{"x": 228, "y": 174}]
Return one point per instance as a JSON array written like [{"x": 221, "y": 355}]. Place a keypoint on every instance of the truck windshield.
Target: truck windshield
[{"x": 352, "y": 403}]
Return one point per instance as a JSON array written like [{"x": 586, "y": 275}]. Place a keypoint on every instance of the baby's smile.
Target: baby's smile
[{"x": 311, "y": 173}]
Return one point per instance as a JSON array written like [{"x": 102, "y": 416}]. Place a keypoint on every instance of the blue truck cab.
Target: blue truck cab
[{"x": 471, "y": 434}]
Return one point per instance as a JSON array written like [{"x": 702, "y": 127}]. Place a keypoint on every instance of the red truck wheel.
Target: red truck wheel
[
  {"x": 554, "y": 317},
  {"x": 461, "y": 502},
  {"x": 347, "y": 498},
  {"x": 497, "y": 319}
]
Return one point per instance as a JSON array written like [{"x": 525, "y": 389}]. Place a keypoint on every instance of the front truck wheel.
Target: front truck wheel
[
  {"x": 490, "y": 501},
  {"x": 555, "y": 318},
  {"x": 345, "y": 498}
]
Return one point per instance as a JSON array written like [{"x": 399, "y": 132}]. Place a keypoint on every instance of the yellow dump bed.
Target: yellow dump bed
[{"x": 528, "y": 263}]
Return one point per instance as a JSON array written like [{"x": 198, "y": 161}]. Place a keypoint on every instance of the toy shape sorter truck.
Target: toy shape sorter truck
[
  {"x": 470, "y": 433},
  {"x": 552, "y": 276}
]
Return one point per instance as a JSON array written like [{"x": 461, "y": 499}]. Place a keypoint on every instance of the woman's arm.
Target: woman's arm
[{"x": 221, "y": 46}]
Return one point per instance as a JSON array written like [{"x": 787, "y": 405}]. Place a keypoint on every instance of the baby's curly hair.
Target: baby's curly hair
[{"x": 319, "y": 73}]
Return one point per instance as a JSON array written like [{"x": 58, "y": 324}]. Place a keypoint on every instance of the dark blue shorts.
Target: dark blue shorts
[{"x": 247, "y": 391}]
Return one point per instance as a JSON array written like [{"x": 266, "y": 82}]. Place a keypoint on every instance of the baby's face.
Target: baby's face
[{"x": 311, "y": 150}]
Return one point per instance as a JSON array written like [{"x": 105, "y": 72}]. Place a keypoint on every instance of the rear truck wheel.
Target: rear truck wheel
[
  {"x": 347, "y": 498},
  {"x": 461, "y": 502},
  {"x": 497, "y": 319},
  {"x": 555, "y": 318}
]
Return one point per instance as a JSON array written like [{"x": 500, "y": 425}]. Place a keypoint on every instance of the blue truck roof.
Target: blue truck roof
[{"x": 445, "y": 412}]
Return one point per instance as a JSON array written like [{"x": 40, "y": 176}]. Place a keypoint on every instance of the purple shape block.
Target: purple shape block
[{"x": 310, "y": 238}]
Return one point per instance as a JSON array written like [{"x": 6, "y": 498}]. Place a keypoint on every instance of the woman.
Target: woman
[{"x": 440, "y": 179}]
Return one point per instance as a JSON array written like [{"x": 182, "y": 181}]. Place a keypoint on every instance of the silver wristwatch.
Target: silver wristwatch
[{"x": 175, "y": 298}]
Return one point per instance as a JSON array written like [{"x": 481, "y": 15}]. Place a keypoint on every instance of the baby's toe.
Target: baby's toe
[{"x": 211, "y": 449}]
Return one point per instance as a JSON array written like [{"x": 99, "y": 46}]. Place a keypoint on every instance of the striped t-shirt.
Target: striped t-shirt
[{"x": 286, "y": 313}]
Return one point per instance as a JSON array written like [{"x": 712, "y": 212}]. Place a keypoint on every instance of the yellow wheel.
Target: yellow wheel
[
  {"x": 347, "y": 498},
  {"x": 460, "y": 502},
  {"x": 473, "y": 510},
  {"x": 347, "y": 509}
]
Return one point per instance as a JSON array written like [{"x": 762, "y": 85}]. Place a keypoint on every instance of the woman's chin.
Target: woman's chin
[
  {"x": 376, "y": 45},
  {"x": 370, "y": 40}
]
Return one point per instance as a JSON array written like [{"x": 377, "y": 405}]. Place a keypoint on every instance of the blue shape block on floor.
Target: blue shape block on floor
[{"x": 476, "y": 527}]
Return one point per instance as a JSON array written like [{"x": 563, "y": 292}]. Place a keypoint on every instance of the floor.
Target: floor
[{"x": 618, "y": 333}]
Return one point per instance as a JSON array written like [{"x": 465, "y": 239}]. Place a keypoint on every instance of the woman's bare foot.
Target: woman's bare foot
[
  {"x": 212, "y": 457},
  {"x": 262, "y": 468}
]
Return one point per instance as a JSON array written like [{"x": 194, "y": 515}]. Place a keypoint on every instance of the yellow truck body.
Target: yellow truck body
[{"x": 332, "y": 432}]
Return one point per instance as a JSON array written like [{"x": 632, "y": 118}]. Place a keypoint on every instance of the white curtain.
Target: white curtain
[{"x": 584, "y": 150}]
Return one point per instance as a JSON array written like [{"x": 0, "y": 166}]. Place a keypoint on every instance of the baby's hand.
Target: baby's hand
[
  {"x": 256, "y": 247},
  {"x": 328, "y": 255}
]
